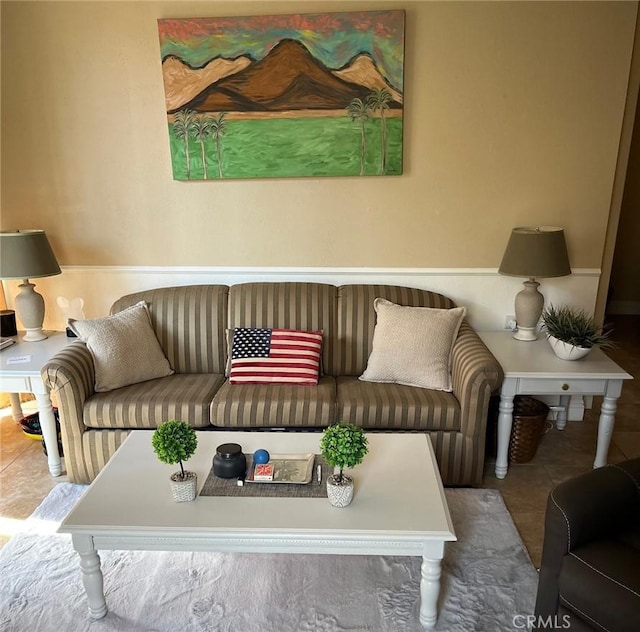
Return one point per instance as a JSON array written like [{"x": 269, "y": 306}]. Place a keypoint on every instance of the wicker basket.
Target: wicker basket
[{"x": 529, "y": 424}]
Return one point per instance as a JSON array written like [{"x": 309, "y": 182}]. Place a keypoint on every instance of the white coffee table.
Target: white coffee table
[{"x": 399, "y": 508}]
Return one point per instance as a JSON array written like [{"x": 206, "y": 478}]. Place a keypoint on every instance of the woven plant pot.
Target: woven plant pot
[
  {"x": 184, "y": 490},
  {"x": 339, "y": 494},
  {"x": 529, "y": 424}
]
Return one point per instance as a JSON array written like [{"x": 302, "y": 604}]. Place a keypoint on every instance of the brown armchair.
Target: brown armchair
[{"x": 590, "y": 572}]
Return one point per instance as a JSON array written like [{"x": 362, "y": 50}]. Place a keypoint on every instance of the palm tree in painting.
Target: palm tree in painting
[
  {"x": 379, "y": 100},
  {"x": 359, "y": 112},
  {"x": 217, "y": 128},
  {"x": 183, "y": 128},
  {"x": 201, "y": 130}
]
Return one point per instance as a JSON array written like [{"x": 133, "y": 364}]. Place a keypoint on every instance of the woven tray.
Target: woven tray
[{"x": 215, "y": 486}]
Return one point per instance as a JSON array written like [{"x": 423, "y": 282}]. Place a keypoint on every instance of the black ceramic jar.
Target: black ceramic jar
[{"x": 229, "y": 461}]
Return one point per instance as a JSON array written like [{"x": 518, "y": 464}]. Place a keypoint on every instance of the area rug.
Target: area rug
[{"x": 487, "y": 579}]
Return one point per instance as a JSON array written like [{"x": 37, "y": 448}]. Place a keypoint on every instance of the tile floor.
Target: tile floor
[{"x": 25, "y": 480}]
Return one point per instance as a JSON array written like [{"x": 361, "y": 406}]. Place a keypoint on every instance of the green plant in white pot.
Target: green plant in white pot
[
  {"x": 343, "y": 445},
  {"x": 572, "y": 333},
  {"x": 175, "y": 442}
]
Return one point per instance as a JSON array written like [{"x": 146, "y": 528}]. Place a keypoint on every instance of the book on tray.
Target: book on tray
[{"x": 263, "y": 472}]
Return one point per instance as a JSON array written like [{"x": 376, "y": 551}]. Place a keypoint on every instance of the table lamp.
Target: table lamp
[
  {"x": 27, "y": 254},
  {"x": 541, "y": 252}
]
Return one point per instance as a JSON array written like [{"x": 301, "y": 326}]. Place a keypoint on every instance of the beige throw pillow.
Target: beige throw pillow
[
  {"x": 124, "y": 347},
  {"x": 412, "y": 345}
]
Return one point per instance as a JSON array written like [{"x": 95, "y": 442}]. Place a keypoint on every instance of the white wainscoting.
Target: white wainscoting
[{"x": 487, "y": 295}]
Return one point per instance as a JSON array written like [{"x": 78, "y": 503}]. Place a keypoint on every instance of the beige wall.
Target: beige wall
[{"x": 513, "y": 115}]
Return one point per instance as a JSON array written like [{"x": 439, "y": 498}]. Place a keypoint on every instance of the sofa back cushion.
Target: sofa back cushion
[
  {"x": 190, "y": 323},
  {"x": 357, "y": 318},
  {"x": 302, "y": 306}
]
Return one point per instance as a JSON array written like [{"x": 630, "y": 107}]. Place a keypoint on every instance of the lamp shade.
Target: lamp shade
[
  {"x": 540, "y": 251},
  {"x": 26, "y": 254}
]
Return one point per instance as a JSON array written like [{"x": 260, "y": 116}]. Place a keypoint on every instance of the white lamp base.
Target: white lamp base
[
  {"x": 528, "y": 307},
  {"x": 30, "y": 310},
  {"x": 34, "y": 335},
  {"x": 528, "y": 334}
]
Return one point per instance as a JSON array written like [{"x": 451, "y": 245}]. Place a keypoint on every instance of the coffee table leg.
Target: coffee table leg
[
  {"x": 429, "y": 592},
  {"x": 91, "y": 575}
]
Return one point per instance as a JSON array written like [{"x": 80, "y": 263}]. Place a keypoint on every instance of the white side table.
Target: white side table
[
  {"x": 531, "y": 368},
  {"x": 20, "y": 366}
]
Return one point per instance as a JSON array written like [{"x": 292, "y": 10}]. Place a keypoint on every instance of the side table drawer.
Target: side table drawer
[{"x": 555, "y": 386}]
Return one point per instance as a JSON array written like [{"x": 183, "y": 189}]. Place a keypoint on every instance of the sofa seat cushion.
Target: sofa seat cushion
[
  {"x": 146, "y": 405},
  {"x": 389, "y": 406},
  {"x": 600, "y": 581},
  {"x": 274, "y": 405}
]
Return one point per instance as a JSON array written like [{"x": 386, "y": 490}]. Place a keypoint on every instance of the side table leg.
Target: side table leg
[
  {"x": 91, "y": 575},
  {"x": 16, "y": 407},
  {"x": 561, "y": 419},
  {"x": 429, "y": 592},
  {"x": 505, "y": 421},
  {"x": 605, "y": 429},
  {"x": 49, "y": 433}
]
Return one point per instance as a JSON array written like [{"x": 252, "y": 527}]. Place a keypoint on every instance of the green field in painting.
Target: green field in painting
[{"x": 281, "y": 148}]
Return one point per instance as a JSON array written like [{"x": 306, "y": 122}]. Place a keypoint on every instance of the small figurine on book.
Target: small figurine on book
[{"x": 263, "y": 472}]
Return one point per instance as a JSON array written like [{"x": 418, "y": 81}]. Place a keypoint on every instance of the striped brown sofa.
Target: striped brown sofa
[{"x": 192, "y": 324}]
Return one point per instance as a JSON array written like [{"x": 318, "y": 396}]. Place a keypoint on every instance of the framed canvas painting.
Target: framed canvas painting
[{"x": 284, "y": 96}]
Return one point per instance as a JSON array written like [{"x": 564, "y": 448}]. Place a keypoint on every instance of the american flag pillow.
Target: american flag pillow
[{"x": 267, "y": 356}]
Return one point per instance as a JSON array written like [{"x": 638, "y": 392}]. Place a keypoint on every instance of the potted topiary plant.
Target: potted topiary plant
[
  {"x": 572, "y": 333},
  {"x": 175, "y": 442},
  {"x": 342, "y": 445}
]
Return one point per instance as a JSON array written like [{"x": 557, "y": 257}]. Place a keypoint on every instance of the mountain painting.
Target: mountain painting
[{"x": 284, "y": 96}]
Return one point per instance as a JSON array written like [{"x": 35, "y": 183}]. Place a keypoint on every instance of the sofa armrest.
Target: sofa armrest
[
  {"x": 593, "y": 506},
  {"x": 475, "y": 374},
  {"x": 70, "y": 375}
]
